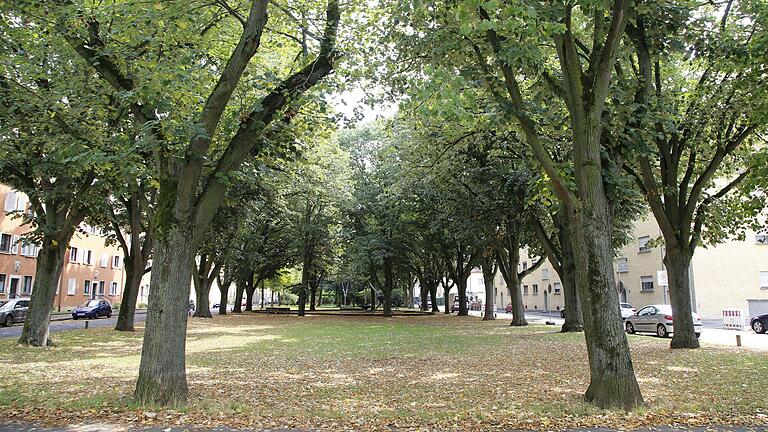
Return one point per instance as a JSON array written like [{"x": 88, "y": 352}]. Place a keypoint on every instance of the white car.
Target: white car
[
  {"x": 657, "y": 319},
  {"x": 627, "y": 310}
]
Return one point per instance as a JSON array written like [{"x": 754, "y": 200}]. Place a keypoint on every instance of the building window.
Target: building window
[
  {"x": 6, "y": 240},
  {"x": 113, "y": 289},
  {"x": 26, "y": 288},
  {"x": 525, "y": 289},
  {"x": 643, "y": 244},
  {"x": 105, "y": 260},
  {"x": 622, "y": 265},
  {"x": 2, "y": 283},
  {"x": 761, "y": 239},
  {"x": 764, "y": 280},
  {"x": 646, "y": 283},
  {"x": 87, "y": 287},
  {"x": 525, "y": 265},
  {"x": 74, "y": 254},
  {"x": 545, "y": 273},
  {"x": 88, "y": 257},
  {"x": 535, "y": 289},
  {"x": 29, "y": 249},
  {"x": 10, "y": 201},
  {"x": 558, "y": 288},
  {"x": 71, "y": 286},
  {"x": 116, "y": 261},
  {"x": 101, "y": 288}
]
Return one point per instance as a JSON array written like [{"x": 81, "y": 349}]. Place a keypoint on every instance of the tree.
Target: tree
[
  {"x": 182, "y": 137},
  {"x": 509, "y": 48},
  {"x": 56, "y": 146},
  {"x": 698, "y": 117}
]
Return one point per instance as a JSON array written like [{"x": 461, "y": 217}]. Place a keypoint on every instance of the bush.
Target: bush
[{"x": 289, "y": 298}]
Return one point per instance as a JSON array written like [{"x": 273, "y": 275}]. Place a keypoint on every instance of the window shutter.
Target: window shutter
[{"x": 14, "y": 244}]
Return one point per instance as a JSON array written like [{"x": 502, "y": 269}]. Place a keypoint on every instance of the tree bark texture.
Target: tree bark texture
[
  {"x": 489, "y": 272},
  {"x": 49, "y": 265},
  {"x": 461, "y": 287},
  {"x": 162, "y": 373},
  {"x": 224, "y": 291},
  {"x": 127, "y": 312},
  {"x": 237, "y": 307},
  {"x": 678, "y": 263},
  {"x": 612, "y": 375},
  {"x": 567, "y": 271}
]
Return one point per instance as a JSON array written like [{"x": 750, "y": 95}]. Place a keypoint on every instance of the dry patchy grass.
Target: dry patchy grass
[{"x": 335, "y": 373}]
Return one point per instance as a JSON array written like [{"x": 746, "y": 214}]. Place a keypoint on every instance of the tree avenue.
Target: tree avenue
[{"x": 538, "y": 129}]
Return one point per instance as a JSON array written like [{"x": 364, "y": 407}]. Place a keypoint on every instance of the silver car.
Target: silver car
[
  {"x": 14, "y": 311},
  {"x": 657, "y": 319}
]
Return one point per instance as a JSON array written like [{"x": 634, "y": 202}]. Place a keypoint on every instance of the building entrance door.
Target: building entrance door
[
  {"x": 546, "y": 301},
  {"x": 13, "y": 287}
]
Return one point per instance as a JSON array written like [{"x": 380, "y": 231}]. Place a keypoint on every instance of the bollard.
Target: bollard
[
  {"x": 738, "y": 340},
  {"x": 86, "y": 324}
]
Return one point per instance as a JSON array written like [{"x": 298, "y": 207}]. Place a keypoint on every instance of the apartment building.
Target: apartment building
[
  {"x": 731, "y": 275},
  {"x": 91, "y": 268}
]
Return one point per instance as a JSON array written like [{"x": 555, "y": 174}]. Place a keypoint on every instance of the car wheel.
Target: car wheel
[
  {"x": 758, "y": 326},
  {"x": 8, "y": 321},
  {"x": 661, "y": 331},
  {"x": 109, "y": 315},
  {"x": 562, "y": 313},
  {"x": 74, "y": 317},
  {"x": 630, "y": 328}
]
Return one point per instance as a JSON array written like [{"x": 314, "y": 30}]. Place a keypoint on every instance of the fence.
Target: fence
[{"x": 734, "y": 319}]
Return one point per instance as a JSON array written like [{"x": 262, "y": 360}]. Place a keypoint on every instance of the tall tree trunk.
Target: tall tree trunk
[
  {"x": 202, "y": 297},
  {"x": 433, "y": 296},
  {"x": 224, "y": 292},
  {"x": 250, "y": 288},
  {"x": 262, "y": 295},
  {"x": 516, "y": 299},
  {"x": 312, "y": 297},
  {"x": 678, "y": 263},
  {"x": 612, "y": 375},
  {"x": 319, "y": 290},
  {"x": 49, "y": 264},
  {"x": 424, "y": 294},
  {"x": 127, "y": 312},
  {"x": 567, "y": 272},
  {"x": 162, "y": 372},
  {"x": 488, "y": 275},
  {"x": 461, "y": 287},
  {"x": 388, "y": 286},
  {"x": 447, "y": 296},
  {"x": 237, "y": 307},
  {"x": 410, "y": 291}
]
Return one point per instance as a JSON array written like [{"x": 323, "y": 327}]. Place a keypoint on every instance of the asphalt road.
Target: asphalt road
[{"x": 64, "y": 325}]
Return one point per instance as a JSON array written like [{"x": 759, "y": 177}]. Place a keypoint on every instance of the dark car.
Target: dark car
[
  {"x": 508, "y": 309},
  {"x": 14, "y": 311},
  {"x": 93, "y": 309},
  {"x": 759, "y": 323}
]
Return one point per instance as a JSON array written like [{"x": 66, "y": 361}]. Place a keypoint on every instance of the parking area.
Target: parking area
[
  {"x": 713, "y": 333},
  {"x": 69, "y": 324}
]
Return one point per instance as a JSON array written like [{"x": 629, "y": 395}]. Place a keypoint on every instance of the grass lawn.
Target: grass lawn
[{"x": 432, "y": 372}]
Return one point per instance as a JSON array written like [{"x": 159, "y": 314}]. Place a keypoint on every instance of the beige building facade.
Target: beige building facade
[
  {"x": 91, "y": 268},
  {"x": 730, "y": 275}
]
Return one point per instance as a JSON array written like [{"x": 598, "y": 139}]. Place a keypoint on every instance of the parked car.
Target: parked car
[
  {"x": 657, "y": 319},
  {"x": 759, "y": 323},
  {"x": 14, "y": 311},
  {"x": 627, "y": 310},
  {"x": 93, "y": 309},
  {"x": 508, "y": 309}
]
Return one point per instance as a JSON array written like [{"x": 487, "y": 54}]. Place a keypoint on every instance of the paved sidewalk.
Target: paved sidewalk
[{"x": 103, "y": 427}]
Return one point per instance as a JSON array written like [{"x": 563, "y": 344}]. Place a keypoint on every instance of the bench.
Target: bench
[{"x": 277, "y": 310}]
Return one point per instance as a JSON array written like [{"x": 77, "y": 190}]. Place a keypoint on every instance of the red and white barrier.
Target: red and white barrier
[{"x": 734, "y": 319}]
